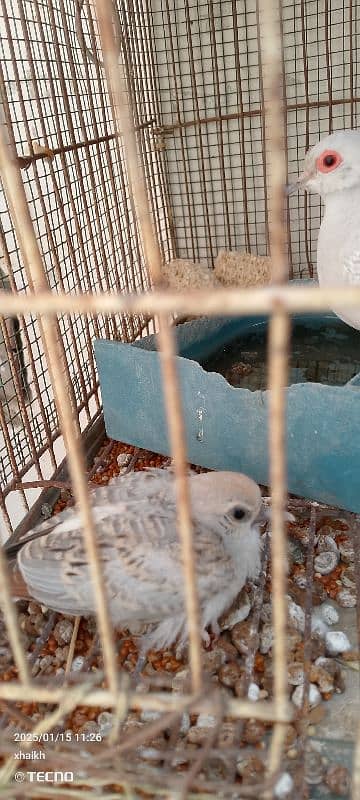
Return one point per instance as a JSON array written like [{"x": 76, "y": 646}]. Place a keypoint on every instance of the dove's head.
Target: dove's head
[
  {"x": 229, "y": 495},
  {"x": 332, "y": 165}
]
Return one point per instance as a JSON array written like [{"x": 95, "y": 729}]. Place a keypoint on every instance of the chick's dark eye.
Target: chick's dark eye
[
  {"x": 329, "y": 161},
  {"x": 238, "y": 513}
]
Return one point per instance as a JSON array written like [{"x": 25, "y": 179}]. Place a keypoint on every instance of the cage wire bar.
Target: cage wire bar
[
  {"x": 166, "y": 339},
  {"x": 279, "y": 336},
  {"x": 46, "y": 302}
]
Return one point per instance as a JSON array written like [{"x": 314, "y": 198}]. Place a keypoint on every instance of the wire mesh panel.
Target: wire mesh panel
[
  {"x": 60, "y": 119},
  {"x": 195, "y": 76},
  {"x": 177, "y": 116},
  {"x": 209, "y": 84}
]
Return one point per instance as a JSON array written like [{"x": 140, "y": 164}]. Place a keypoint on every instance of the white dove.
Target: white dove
[
  {"x": 138, "y": 542},
  {"x": 332, "y": 169}
]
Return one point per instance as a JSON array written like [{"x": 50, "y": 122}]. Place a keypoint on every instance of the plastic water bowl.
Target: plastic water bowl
[{"x": 227, "y": 427}]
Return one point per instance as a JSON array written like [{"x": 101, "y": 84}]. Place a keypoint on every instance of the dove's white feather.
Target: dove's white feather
[{"x": 338, "y": 254}]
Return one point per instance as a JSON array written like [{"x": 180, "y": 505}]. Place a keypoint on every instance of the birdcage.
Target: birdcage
[{"x": 134, "y": 133}]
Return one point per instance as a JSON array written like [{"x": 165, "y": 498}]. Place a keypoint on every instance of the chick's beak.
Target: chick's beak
[{"x": 262, "y": 515}]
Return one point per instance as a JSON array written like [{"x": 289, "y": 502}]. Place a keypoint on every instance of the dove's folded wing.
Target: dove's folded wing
[
  {"x": 141, "y": 558},
  {"x": 146, "y": 485}
]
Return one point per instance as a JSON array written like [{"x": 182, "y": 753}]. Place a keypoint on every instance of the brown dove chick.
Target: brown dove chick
[{"x": 140, "y": 551}]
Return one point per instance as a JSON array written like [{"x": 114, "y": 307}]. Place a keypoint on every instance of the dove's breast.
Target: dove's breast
[{"x": 338, "y": 252}]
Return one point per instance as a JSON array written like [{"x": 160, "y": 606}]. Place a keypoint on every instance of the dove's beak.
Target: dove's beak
[
  {"x": 300, "y": 183},
  {"x": 290, "y": 188}
]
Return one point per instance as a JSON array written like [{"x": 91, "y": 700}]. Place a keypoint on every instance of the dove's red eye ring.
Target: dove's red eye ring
[{"x": 328, "y": 161}]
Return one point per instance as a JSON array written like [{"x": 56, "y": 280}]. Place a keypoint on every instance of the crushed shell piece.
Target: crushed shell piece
[
  {"x": 284, "y": 786},
  {"x": 326, "y": 543},
  {"x": 328, "y": 613},
  {"x": 346, "y": 548},
  {"x": 242, "y": 636},
  {"x": 296, "y": 615},
  {"x": 314, "y": 769},
  {"x": 197, "y": 734},
  {"x": 78, "y": 663},
  {"x": 348, "y": 577},
  {"x": 253, "y": 692},
  {"x": 185, "y": 724},
  {"x": 254, "y": 731},
  {"x": 266, "y": 639},
  {"x": 123, "y": 459},
  {"x": 346, "y": 598},
  {"x": 322, "y": 678},
  {"x": 227, "y": 735},
  {"x": 337, "y": 642},
  {"x": 63, "y": 631},
  {"x": 250, "y": 769},
  {"x": 314, "y": 696},
  {"x": 325, "y": 562},
  {"x": 319, "y": 627},
  {"x": 206, "y": 721},
  {"x": 296, "y": 674},
  {"x": 230, "y": 673},
  {"x": 150, "y": 754},
  {"x": 266, "y": 613},
  {"x": 150, "y": 716},
  {"x": 105, "y": 721}
]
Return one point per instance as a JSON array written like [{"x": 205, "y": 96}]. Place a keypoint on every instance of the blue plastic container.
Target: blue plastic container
[{"x": 227, "y": 427}]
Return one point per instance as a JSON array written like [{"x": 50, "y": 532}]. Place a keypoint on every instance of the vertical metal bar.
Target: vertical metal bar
[
  {"x": 127, "y": 274},
  {"x": 117, "y": 86},
  {"x": 187, "y": 174},
  {"x": 199, "y": 134},
  {"x": 355, "y": 789},
  {"x": 90, "y": 161},
  {"x": 144, "y": 9},
  {"x": 279, "y": 334},
  {"x": 307, "y": 129},
  {"x": 132, "y": 254},
  {"x": 261, "y": 29},
  {"x": 7, "y": 259},
  {"x": 327, "y": 17},
  {"x": 241, "y": 122},
  {"x": 70, "y": 193},
  {"x": 219, "y": 125},
  {"x": 351, "y": 63},
  {"x": 51, "y": 239},
  {"x": 286, "y": 143},
  {"x": 137, "y": 68}
]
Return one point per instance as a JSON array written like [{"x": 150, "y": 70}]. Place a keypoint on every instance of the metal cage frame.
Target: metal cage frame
[{"x": 123, "y": 302}]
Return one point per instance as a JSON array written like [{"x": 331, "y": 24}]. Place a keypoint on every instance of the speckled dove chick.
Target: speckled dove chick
[
  {"x": 135, "y": 519},
  {"x": 332, "y": 169}
]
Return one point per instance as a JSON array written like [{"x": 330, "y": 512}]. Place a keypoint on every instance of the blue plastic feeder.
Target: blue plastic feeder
[{"x": 227, "y": 427}]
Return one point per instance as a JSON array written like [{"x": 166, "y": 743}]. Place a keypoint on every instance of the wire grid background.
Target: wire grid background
[
  {"x": 80, "y": 185},
  {"x": 195, "y": 77},
  {"x": 55, "y": 97}
]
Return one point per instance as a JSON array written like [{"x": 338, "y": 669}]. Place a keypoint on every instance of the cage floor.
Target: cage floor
[{"x": 222, "y": 755}]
